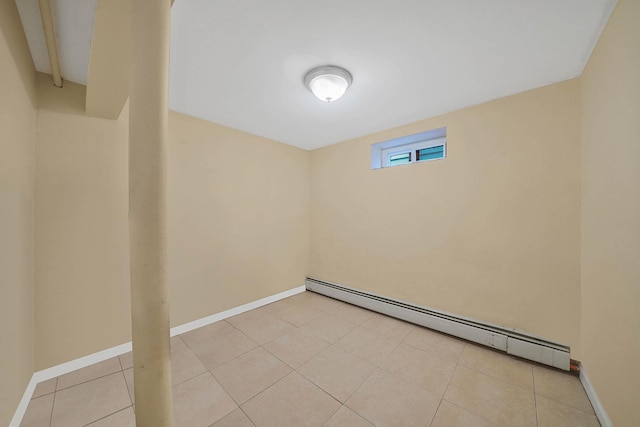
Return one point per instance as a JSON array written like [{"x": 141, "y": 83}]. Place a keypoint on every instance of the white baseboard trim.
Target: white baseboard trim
[
  {"x": 82, "y": 362},
  {"x": 234, "y": 311},
  {"x": 24, "y": 402},
  {"x": 63, "y": 368},
  {"x": 598, "y": 408}
]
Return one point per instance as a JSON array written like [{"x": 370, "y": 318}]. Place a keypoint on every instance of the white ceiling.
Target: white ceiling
[
  {"x": 241, "y": 63},
  {"x": 73, "y": 21}
]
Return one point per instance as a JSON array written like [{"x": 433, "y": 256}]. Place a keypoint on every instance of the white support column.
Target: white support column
[{"x": 148, "y": 116}]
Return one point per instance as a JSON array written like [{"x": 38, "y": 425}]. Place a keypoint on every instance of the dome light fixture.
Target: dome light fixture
[{"x": 328, "y": 82}]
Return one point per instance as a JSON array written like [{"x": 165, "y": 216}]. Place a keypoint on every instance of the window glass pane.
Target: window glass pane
[
  {"x": 436, "y": 152},
  {"x": 399, "y": 159}
]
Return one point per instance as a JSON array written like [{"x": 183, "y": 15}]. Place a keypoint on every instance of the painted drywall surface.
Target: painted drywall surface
[
  {"x": 238, "y": 217},
  {"x": 82, "y": 247},
  {"x": 611, "y": 215},
  {"x": 17, "y": 141},
  {"x": 490, "y": 232},
  {"x": 237, "y": 212}
]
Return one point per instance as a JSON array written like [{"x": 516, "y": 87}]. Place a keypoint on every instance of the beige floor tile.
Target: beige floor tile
[
  {"x": 184, "y": 363},
  {"x": 260, "y": 326},
  {"x": 201, "y": 401},
  {"x": 498, "y": 365},
  {"x": 293, "y": 401},
  {"x": 325, "y": 304},
  {"x": 388, "y": 326},
  {"x": 279, "y": 306},
  {"x": 184, "y": 366},
  {"x": 345, "y": 417},
  {"x": 304, "y": 297},
  {"x": 351, "y": 313},
  {"x": 90, "y": 401},
  {"x": 126, "y": 360},
  {"x": 327, "y": 328},
  {"x": 367, "y": 345},
  {"x": 492, "y": 399},
  {"x": 89, "y": 373},
  {"x": 298, "y": 315},
  {"x": 434, "y": 342},
  {"x": 450, "y": 415},
  {"x": 38, "y": 412},
  {"x": 555, "y": 414},
  {"x": 235, "y": 419},
  {"x": 421, "y": 368},
  {"x": 562, "y": 387},
  {"x": 124, "y": 418},
  {"x": 416, "y": 366},
  {"x": 217, "y": 343},
  {"x": 128, "y": 377},
  {"x": 385, "y": 400},
  {"x": 249, "y": 374},
  {"x": 337, "y": 372},
  {"x": 45, "y": 387},
  {"x": 177, "y": 342},
  {"x": 296, "y": 348}
]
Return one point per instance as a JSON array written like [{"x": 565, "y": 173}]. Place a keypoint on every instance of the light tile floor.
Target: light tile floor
[{"x": 309, "y": 360}]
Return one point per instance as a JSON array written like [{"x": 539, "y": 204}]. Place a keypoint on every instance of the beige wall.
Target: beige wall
[
  {"x": 82, "y": 270},
  {"x": 238, "y": 223},
  {"x": 611, "y": 216},
  {"x": 238, "y": 217},
  {"x": 491, "y": 232},
  {"x": 17, "y": 140}
]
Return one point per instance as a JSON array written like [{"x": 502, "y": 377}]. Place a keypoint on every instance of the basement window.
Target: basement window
[{"x": 419, "y": 147}]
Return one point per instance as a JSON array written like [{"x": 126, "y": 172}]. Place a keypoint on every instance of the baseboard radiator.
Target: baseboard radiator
[{"x": 510, "y": 341}]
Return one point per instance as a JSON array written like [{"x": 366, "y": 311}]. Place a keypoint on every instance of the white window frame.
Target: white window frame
[
  {"x": 413, "y": 148},
  {"x": 382, "y": 151}
]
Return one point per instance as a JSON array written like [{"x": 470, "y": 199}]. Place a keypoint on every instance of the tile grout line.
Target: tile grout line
[
  {"x": 535, "y": 396},
  {"x": 447, "y": 387},
  {"x": 224, "y": 363},
  {"x": 261, "y": 391},
  {"x": 430, "y": 352},
  {"x": 322, "y": 388},
  {"x": 127, "y": 386},
  {"x": 224, "y": 389},
  {"x": 559, "y": 402},
  {"x": 246, "y": 415},
  {"x": 436, "y": 412},
  {"x": 469, "y": 411},
  {"x": 496, "y": 378},
  {"x": 334, "y": 412},
  {"x": 88, "y": 381},
  {"x": 313, "y": 382},
  {"x": 108, "y": 415},
  {"x": 357, "y": 389},
  {"x": 247, "y": 336},
  {"x": 285, "y": 362},
  {"x": 251, "y": 397},
  {"x": 53, "y": 403}
]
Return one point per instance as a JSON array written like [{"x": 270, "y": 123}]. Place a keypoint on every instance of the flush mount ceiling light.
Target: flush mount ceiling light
[{"x": 328, "y": 83}]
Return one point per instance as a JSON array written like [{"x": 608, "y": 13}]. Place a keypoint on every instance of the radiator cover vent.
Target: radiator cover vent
[{"x": 507, "y": 340}]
